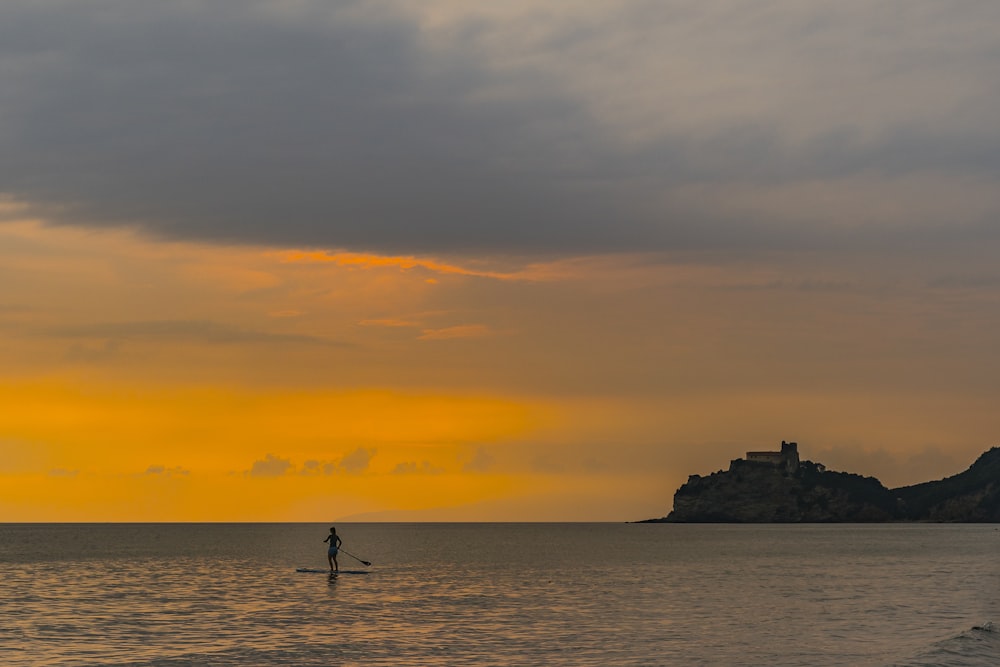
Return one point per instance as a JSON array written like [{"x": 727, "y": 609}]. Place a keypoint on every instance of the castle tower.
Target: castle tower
[{"x": 790, "y": 455}]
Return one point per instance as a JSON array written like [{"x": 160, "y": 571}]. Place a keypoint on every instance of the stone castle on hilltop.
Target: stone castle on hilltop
[
  {"x": 787, "y": 458},
  {"x": 777, "y": 487}
]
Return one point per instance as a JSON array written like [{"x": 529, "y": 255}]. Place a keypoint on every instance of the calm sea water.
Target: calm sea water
[{"x": 500, "y": 594}]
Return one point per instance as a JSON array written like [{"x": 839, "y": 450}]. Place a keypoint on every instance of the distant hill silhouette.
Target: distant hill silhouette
[
  {"x": 972, "y": 495},
  {"x": 775, "y": 487}
]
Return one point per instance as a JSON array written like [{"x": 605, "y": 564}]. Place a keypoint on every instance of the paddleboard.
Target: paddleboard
[{"x": 309, "y": 569}]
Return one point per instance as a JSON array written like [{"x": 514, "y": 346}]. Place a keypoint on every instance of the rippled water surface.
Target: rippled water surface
[{"x": 500, "y": 594}]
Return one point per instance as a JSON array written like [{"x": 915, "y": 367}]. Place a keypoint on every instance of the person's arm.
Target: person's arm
[
  {"x": 326, "y": 539},
  {"x": 339, "y": 541}
]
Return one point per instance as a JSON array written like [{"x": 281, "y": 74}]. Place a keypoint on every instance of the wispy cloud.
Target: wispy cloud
[
  {"x": 354, "y": 462},
  {"x": 481, "y": 461},
  {"x": 457, "y": 331},
  {"x": 415, "y": 468},
  {"x": 157, "y": 470},
  {"x": 408, "y": 263},
  {"x": 270, "y": 466},
  {"x": 357, "y": 461},
  {"x": 389, "y": 322},
  {"x": 92, "y": 353},
  {"x": 202, "y": 330}
]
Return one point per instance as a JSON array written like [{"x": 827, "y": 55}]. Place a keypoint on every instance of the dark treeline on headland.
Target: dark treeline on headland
[{"x": 776, "y": 487}]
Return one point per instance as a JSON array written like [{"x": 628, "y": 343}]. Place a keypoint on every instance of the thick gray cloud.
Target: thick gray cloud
[{"x": 406, "y": 127}]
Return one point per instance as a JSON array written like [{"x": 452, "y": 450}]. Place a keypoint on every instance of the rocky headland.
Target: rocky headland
[{"x": 776, "y": 487}]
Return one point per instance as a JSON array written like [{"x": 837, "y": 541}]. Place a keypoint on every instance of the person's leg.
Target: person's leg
[
  {"x": 331, "y": 560},
  {"x": 336, "y": 566}
]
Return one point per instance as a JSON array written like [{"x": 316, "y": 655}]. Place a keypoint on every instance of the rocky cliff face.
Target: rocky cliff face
[
  {"x": 761, "y": 493},
  {"x": 751, "y": 492}
]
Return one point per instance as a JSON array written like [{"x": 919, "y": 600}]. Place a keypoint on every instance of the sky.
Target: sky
[{"x": 430, "y": 260}]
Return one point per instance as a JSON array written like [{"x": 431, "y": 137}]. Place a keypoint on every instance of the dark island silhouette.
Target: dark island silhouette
[{"x": 777, "y": 487}]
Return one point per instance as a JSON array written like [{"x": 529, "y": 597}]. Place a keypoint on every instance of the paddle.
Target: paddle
[{"x": 363, "y": 562}]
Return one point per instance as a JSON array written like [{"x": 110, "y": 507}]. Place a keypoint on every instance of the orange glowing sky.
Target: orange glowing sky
[{"x": 516, "y": 274}]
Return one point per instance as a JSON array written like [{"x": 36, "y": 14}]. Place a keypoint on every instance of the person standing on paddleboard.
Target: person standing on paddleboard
[{"x": 331, "y": 553}]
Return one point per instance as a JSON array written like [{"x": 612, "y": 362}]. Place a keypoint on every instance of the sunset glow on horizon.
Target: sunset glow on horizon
[{"x": 400, "y": 269}]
